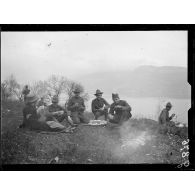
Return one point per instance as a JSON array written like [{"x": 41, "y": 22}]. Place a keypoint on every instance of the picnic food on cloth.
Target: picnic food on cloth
[{"x": 97, "y": 122}]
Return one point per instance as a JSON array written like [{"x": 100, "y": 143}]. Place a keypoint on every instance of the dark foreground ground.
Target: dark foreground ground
[{"x": 138, "y": 141}]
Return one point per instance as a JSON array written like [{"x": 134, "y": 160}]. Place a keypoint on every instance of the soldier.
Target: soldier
[
  {"x": 25, "y": 92},
  {"x": 30, "y": 116},
  {"x": 58, "y": 112},
  {"x": 164, "y": 115},
  {"x": 120, "y": 111},
  {"x": 34, "y": 120},
  {"x": 99, "y": 105},
  {"x": 76, "y": 106}
]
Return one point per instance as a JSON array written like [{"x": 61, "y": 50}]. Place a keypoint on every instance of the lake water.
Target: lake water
[{"x": 151, "y": 107}]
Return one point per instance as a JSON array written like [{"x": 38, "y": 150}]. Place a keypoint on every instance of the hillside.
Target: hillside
[
  {"x": 144, "y": 81},
  {"x": 135, "y": 142}
]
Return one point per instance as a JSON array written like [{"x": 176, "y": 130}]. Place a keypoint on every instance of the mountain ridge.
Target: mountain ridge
[{"x": 143, "y": 81}]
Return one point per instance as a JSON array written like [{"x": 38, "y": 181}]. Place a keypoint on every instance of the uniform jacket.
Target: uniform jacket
[
  {"x": 98, "y": 103},
  {"x": 117, "y": 111},
  {"x": 55, "y": 108},
  {"x": 164, "y": 116},
  {"x": 29, "y": 115},
  {"x": 79, "y": 108}
]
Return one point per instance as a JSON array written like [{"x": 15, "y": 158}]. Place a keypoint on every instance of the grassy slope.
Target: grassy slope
[{"x": 138, "y": 141}]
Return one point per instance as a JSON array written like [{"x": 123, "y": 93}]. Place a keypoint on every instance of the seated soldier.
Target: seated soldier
[
  {"x": 99, "y": 105},
  {"x": 76, "y": 106},
  {"x": 58, "y": 112},
  {"x": 32, "y": 120},
  {"x": 120, "y": 111},
  {"x": 164, "y": 118}
]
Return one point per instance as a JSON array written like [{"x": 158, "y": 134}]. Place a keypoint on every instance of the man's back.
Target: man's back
[{"x": 164, "y": 116}]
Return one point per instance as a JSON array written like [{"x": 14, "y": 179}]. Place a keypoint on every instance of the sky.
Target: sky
[{"x": 32, "y": 56}]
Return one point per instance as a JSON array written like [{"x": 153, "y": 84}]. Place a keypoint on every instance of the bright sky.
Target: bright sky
[{"x": 34, "y": 56}]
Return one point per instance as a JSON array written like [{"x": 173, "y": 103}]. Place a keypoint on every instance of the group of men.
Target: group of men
[
  {"x": 74, "y": 113},
  {"x": 118, "y": 112}
]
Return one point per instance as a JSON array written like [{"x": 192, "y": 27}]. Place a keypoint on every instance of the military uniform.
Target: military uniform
[
  {"x": 77, "y": 112},
  {"x": 98, "y": 103},
  {"x": 31, "y": 119},
  {"x": 164, "y": 117},
  {"x": 55, "y": 108},
  {"x": 122, "y": 114}
]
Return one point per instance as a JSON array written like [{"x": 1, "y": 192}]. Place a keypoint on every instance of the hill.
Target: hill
[
  {"x": 137, "y": 141},
  {"x": 144, "y": 81}
]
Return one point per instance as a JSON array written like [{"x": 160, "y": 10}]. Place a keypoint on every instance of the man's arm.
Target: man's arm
[
  {"x": 70, "y": 105},
  {"x": 126, "y": 106},
  {"x": 93, "y": 106},
  {"x": 82, "y": 107},
  {"x": 106, "y": 103}
]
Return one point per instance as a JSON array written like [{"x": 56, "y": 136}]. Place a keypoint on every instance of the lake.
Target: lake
[{"x": 151, "y": 107}]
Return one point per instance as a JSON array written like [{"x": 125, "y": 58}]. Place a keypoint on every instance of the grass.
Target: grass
[{"x": 142, "y": 141}]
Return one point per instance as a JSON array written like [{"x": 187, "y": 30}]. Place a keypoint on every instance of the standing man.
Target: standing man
[
  {"x": 25, "y": 92},
  {"x": 99, "y": 105},
  {"x": 120, "y": 111},
  {"x": 164, "y": 115},
  {"x": 76, "y": 106}
]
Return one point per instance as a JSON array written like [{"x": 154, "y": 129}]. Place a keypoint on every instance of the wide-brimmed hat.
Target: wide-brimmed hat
[
  {"x": 98, "y": 92},
  {"x": 168, "y": 105},
  {"x": 77, "y": 90},
  {"x": 31, "y": 98},
  {"x": 55, "y": 99},
  {"x": 115, "y": 95}
]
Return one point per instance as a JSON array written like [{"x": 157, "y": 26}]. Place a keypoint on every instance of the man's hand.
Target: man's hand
[
  {"x": 81, "y": 108},
  {"x": 28, "y": 116},
  {"x": 101, "y": 109},
  {"x": 76, "y": 104},
  {"x": 106, "y": 107},
  {"x": 172, "y": 115},
  {"x": 118, "y": 107},
  {"x": 58, "y": 113}
]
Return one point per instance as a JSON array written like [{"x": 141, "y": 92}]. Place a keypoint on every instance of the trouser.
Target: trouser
[
  {"x": 99, "y": 113},
  {"x": 120, "y": 118},
  {"x": 61, "y": 117},
  {"x": 78, "y": 117},
  {"x": 37, "y": 125},
  {"x": 168, "y": 127}
]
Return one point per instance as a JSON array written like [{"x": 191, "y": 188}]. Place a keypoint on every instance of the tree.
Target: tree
[
  {"x": 56, "y": 85},
  {"x": 71, "y": 86},
  {"x": 11, "y": 88},
  {"x": 5, "y": 92},
  {"x": 15, "y": 87},
  {"x": 40, "y": 88}
]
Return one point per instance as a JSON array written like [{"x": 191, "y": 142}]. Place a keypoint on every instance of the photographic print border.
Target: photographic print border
[{"x": 118, "y": 27}]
